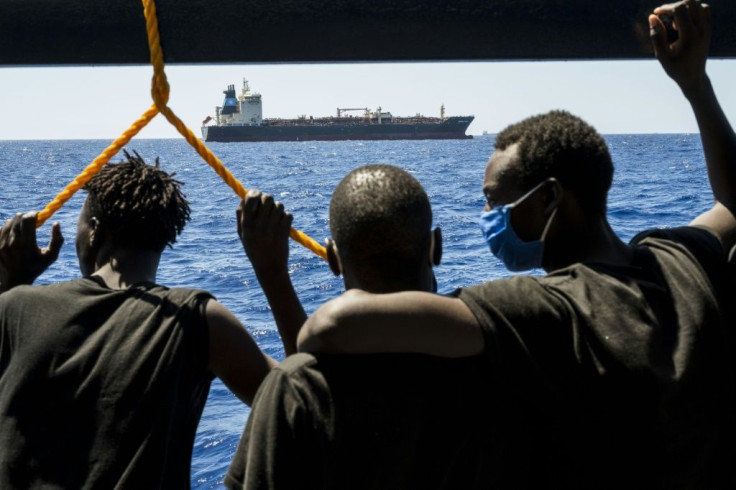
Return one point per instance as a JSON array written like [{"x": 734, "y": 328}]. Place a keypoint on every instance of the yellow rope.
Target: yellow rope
[
  {"x": 95, "y": 166},
  {"x": 160, "y": 95}
]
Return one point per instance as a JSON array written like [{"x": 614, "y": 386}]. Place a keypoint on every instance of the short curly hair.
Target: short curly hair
[
  {"x": 558, "y": 144},
  {"x": 380, "y": 216},
  {"x": 139, "y": 205}
]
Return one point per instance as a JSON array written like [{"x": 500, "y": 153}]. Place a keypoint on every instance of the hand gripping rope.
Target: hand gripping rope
[{"x": 160, "y": 95}]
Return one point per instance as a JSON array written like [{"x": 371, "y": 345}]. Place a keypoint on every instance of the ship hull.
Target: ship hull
[{"x": 451, "y": 128}]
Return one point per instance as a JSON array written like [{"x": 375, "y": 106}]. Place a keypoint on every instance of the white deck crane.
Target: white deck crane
[{"x": 366, "y": 111}]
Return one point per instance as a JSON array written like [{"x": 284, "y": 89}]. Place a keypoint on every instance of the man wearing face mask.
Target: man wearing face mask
[
  {"x": 498, "y": 231},
  {"x": 616, "y": 368}
]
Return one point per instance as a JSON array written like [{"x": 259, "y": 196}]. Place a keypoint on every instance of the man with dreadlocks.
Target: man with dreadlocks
[{"x": 103, "y": 379}]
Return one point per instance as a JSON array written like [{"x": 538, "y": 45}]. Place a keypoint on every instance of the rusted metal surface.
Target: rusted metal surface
[{"x": 84, "y": 32}]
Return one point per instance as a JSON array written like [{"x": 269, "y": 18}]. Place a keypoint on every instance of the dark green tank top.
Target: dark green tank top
[{"x": 98, "y": 387}]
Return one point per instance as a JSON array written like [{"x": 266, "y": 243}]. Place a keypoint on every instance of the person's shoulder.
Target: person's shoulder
[
  {"x": 296, "y": 363},
  {"x": 691, "y": 237},
  {"x": 183, "y": 293},
  {"x": 503, "y": 283},
  {"x": 321, "y": 369},
  {"x": 519, "y": 302},
  {"x": 511, "y": 289},
  {"x": 17, "y": 291},
  {"x": 299, "y": 376},
  {"x": 16, "y": 297},
  {"x": 42, "y": 299},
  {"x": 40, "y": 290},
  {"x": 299, "y": 365},
  {"x": 694, "y": 242}
]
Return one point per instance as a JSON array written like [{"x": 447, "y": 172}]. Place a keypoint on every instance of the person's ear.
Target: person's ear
[
  {"x": 553, "y": 195},
  {"x": 435, "y": 246},
  {"x": 95, "y": 232},
  {"x": 333, "y": 259}
]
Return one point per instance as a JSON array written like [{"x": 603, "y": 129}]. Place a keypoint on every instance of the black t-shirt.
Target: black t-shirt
[
  {"x": 623, "y": 375},
  {"x": 384, "y": 421},
  {"x": 100, "y": 388}
]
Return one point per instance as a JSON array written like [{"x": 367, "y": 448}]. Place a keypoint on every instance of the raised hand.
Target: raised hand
[
  {"x": 21, "y": 260},
  {"x": 684, "y": 59},
  {"x": 263, "y": 227}
]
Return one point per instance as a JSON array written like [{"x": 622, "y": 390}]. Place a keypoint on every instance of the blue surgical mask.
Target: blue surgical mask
[{"x": 516, "y": 254}]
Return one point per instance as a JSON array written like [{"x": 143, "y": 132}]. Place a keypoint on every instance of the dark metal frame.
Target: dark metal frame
[{"x": 74, "y": 32}]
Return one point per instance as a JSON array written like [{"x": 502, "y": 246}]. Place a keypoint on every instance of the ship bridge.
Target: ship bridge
[{"x": 243, "y": 110}]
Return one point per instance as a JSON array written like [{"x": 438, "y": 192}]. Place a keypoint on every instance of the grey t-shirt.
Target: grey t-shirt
[{"x": 100, "y": 388}]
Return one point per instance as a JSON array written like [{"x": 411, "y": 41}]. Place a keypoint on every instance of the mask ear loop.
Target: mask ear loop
[
  {"x": 435, "y": 249},
  {"x": 549, "y": 222},
  {"x": 531, "y": 191}
]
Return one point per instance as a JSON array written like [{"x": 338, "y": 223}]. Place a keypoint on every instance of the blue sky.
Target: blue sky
[{"x": 100, "y": 102}]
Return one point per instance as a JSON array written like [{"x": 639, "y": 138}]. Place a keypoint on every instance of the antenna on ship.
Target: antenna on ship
[{"x": 246, "y": 88}]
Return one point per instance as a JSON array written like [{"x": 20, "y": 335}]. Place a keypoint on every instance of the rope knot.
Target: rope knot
[{"x": 160, "y": 90}]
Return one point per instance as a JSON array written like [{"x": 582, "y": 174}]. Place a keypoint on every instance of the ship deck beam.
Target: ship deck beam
[{"x": 93, "y": 32}]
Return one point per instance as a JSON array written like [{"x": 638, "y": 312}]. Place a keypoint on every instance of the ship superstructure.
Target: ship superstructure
[{"x": 243, "y": 110}]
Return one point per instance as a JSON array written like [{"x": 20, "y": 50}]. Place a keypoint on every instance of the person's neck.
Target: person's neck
[
  {"x": 123, "y": 268},
  {"x": 593, "y": 241},
  {"x": 376, "y": 284}
]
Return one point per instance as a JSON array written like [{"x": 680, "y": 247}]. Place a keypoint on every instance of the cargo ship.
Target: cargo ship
[{"x": 241, "y": 119}]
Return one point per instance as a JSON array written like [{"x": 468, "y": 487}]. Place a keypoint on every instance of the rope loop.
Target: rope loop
[{"x": 160, "y": 95}]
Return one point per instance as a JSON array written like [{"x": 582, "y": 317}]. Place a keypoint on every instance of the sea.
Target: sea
[{"x": 660, "y": 181}]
